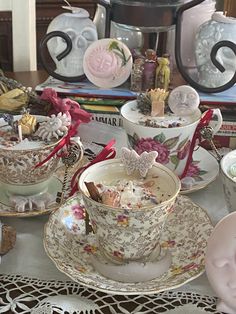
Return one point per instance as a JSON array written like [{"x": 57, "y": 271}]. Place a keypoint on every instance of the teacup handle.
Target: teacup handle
[
  {"x": 76, "y": 149},
  {"x": 75, "y": 152},
  {"x": 209, "y": 131},
  {"x": 216, "y": 124},
  {"x": 204, "y": 125}
]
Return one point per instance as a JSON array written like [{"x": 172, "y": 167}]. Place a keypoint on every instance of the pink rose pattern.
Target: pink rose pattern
[
  {"x": 195, "y": 172},
  {"x": 78, "y": 211},
  {"x": 148, "y": 145},
  {"x": 169, "y": 150}
]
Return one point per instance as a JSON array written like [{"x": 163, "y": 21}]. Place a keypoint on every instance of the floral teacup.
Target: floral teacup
[
  {"x": 18, "y": 174},
  {"x": 172, "y": 144},
  {"x": 129, "y": 234}
]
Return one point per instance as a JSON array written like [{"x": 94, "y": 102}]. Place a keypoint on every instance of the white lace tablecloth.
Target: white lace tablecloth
[{"x": 28, "y": 259}]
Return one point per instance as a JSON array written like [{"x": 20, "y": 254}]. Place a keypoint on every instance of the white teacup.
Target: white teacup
[
  {"x": 18, "y": 175},
  {"x": 229, "y": 184},
  {"x": 172, "y": 144}
]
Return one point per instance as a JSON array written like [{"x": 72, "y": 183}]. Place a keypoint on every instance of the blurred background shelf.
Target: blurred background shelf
[{"x": 45, "y": 12}]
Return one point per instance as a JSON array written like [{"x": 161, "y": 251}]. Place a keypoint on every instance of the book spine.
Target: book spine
[
  {"x": 225, "y": 137},
  {"x": 221, "y": 141},
  {"x": 112, "y": 119},
  {"x": 228, "y": 128}
]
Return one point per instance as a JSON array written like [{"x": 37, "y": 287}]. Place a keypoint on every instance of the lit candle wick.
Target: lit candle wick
[{"x": 20, "y": 132}]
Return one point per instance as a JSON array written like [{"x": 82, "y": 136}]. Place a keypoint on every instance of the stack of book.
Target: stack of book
[
  {"x": 226, "y": 102},
  {"x": 104, "y": 104}
]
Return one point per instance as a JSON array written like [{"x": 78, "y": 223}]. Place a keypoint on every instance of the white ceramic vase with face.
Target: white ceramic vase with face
[
  {"x": 82, "y": 32},
  {"x": 219, "y": 28}
]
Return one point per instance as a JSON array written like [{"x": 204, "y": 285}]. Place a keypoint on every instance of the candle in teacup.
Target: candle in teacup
[{"x": 20, "y": 133}]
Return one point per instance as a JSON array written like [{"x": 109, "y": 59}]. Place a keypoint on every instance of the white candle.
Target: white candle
[{"x": 20, "y": 132}]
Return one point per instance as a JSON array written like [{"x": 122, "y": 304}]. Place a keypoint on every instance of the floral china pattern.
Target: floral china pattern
[
  {"x": 170, "y": 150},
  {"x": 121, "y": 232},
  {"x": 195, "y": 171},
  {"x": 71, "y": 251},
  {"x": 17, "y": 167}
]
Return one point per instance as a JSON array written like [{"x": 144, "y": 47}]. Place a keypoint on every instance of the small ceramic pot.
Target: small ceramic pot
[
  {"x": 229, "y": 184},
  {"x": 129, "y": 234},
  {"x": 172, "y": 144},
  {"x": 18, "y": 175}
]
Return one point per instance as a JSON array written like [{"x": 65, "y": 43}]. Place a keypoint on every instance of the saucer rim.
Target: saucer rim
[
  {"x": 121, "y": 292},
  {"x": 32, "y": 213},
  {"x": 199, "y": 187}
]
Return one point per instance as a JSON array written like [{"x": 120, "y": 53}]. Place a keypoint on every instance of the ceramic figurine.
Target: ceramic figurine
[
  {"x": 133, "y": 161},
  {"x": 219, "y": 28},
  {"x": 30, "y": 203},
  {"x": 82, "y": 32},
  {"x": 183, "y": 100},
  {"x": 149, "y": 69},
  {"x": 55, "y": 127},
  {"x": 107, "y": 63},
  {"x": 158, "y": 97},
  {"x": 27, "y": 123},
  {"x": 220, "y": 263},
  {"x": 162, "y": 79}
]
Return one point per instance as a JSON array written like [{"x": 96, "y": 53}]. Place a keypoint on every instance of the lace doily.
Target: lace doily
[{"x": 25, "y": 295}]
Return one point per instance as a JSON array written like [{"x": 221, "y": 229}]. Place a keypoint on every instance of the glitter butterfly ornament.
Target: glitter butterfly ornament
[{"x": 132, "y": 161}]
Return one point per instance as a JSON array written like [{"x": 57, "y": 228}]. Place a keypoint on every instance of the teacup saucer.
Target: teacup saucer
[
  {"x": 203, "y": 170},
  {"x": 6, "y": 209},
  {"x": 71, "y": 249}
]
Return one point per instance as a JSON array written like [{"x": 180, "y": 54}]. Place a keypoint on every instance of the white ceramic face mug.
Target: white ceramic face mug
[
  {"x": 171, "y": 143},
  {"x": 220, "y": 263}
]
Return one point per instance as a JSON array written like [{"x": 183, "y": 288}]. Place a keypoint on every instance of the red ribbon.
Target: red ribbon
[
  {"x": 197, "y": 136},
  {"x": 108, "y": 152},
  {"x": 64, "y": 141}
]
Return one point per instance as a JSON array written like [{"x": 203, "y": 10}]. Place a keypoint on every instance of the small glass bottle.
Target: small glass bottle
[
  {"x": 137, "y": 75},
  {"x": 149, "y": 71}
]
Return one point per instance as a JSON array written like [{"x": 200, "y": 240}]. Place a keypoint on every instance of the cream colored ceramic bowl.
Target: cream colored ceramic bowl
[
  {"x": 129, "y": 234},
  {"x": 229, "y": 184}
]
